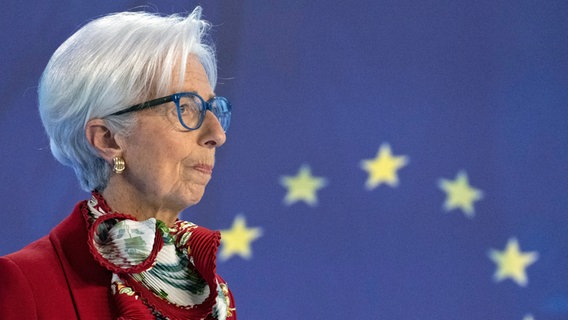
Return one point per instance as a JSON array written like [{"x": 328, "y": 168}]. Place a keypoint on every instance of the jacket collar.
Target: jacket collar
[{"x": 88, "y": 282}]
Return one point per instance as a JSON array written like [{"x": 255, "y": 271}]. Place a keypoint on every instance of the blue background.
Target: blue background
[{"x": 473, "y": 86}]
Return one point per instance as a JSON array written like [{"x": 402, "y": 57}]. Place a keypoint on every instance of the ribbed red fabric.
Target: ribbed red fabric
[
  {"x": 129, "y": 306},
  {"x": 203, "y": 245}
]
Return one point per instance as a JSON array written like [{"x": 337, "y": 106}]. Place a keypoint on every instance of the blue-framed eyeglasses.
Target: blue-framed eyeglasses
[{"x": 191, "y": 109}]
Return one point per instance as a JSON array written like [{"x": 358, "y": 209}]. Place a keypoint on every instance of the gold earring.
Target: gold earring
[{"x": 118, "y": 165}]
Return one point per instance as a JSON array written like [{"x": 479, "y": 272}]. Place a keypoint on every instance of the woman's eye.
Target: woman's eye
[{"x": 184, "y": 108}]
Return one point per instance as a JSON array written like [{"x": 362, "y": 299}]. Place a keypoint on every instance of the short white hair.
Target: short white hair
[{"x": 109, "y": 64}]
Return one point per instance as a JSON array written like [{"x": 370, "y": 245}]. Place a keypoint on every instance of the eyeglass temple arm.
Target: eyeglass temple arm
[{"x": 145, "y": 105}]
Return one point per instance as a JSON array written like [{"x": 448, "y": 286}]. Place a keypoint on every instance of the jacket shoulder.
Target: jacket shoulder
[
  {"x": 16, "y": 294},
  {"x": 29, "y": 276}
]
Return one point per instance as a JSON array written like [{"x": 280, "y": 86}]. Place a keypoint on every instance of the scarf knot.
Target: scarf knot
[{"x": 158, "y": 272}]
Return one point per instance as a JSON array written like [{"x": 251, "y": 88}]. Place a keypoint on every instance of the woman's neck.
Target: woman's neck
[{"x": 123, "y": 199}]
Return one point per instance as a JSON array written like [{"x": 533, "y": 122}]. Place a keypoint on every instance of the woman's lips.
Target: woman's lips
[{"x": 204, "y": 168}]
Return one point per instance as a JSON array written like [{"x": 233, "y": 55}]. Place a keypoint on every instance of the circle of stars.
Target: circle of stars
[{"x": 511, "y": 263}]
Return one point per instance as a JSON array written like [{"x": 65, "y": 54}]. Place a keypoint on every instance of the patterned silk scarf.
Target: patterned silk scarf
[{"x": 158, "y": 272}]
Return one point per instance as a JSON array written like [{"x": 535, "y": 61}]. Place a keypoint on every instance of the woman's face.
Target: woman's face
[{"x": 168, "y": 167}]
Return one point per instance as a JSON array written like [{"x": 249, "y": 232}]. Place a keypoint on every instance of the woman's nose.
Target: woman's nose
[{"x": 212, "y": 134}]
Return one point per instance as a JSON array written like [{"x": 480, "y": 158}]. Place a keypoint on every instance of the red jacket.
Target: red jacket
[{"x": 56, "y": 277}]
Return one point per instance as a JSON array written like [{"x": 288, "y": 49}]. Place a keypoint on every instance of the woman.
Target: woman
[{"x": 128, "y": 103}]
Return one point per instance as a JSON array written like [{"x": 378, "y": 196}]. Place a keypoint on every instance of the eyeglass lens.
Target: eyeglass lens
[{"x": 192, "y": 111}]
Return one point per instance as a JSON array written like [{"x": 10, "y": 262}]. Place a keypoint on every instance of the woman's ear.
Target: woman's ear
[{"x": 102, "y": 139}]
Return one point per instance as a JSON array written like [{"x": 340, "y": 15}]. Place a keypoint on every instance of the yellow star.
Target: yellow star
[
  {"x": 511, "y": 263},
  {"x": 383, "y": 168},
  {"x": 237, "y": 240},
  {"x": 459, "y": 194},
  {"x": 302, "y": 187}
]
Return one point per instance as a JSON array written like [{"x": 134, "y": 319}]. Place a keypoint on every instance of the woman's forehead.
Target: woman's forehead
[{"x": 194, "y": 79}]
